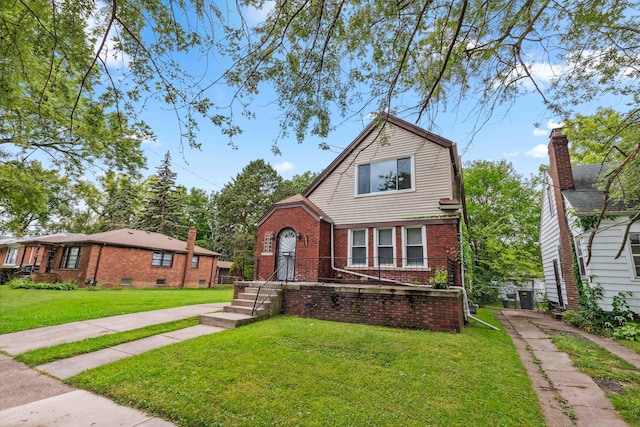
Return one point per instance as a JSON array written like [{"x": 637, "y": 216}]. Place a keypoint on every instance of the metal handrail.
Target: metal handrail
[{"x": 267, "y": 289}]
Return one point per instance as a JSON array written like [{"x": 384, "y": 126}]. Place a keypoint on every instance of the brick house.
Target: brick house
[
  {"x": 387, "y": 209},
  {"x": 387, "y": 213},
  {"x": 570, "y": 202},
  {"x": 125, "y": 257}
]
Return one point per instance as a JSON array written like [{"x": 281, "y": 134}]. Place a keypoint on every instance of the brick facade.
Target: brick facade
[
  {"x": 390, "y": 306},
  {"x": 313, "y": 243},
  {"x": 562, "y": 176},
  {"x": 109, "y": 265}
]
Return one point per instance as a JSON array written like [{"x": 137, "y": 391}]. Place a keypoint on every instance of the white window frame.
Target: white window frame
[
  {"x": 162, "y": 259},
  {"x": 11, "y": 257},
  {"x": 582, "y": 266},
  {"x": 405, "y": 261},
  {"x": 195, "y": 261},
  {"x": 376, "y": 245},
  {"x": 378, "y": 193},
  {"x": 366, "y": 248},
  {"x": 632, "y": 265}
]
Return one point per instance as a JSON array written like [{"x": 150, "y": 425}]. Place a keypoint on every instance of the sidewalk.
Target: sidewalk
[
  {"x": 553, "y": 376},
  {"x": 29, "y": 398}
]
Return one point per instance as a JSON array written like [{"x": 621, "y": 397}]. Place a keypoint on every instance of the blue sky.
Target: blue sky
[{"x": 510, "y": 134}]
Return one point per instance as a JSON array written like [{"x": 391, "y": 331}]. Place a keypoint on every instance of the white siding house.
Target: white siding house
[{"x": 571, "y": 201}]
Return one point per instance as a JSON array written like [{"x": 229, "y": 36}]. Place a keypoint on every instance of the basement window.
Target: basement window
[
  {"x": 126, "y": 282},
  {"x": 161, "y": 282}
]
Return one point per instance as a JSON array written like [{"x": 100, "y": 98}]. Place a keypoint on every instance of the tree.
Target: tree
[
  {"x": 504, "y": 216},
  {"x": 241, "y": 203},
  {"x": 27, "y": 196},
  {"x": 161, "y": 210},
  {"x": 197, "y": 208},
  {"x": 607, "y": 136},
  {"x": 121, "y": 202},
  {"x": 297, "y": 184}
]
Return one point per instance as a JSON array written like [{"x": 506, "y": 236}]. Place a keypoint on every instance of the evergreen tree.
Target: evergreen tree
[{"x": 161, "y": 211}]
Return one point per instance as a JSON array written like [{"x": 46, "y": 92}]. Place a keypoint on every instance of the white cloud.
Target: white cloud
[
  {"x": 284, "y": 167},
  {"x": 551, "y": 124},
  {"x": 538, "y": 152}
]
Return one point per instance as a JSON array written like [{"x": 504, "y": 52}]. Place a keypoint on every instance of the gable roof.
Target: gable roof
[
  {"x": 50, "y": 238},
  {"x": 585, "y": 197},
  {"x": 132, "y": 238},
  {"x": 297, "y": 200},
  {"x": 382, "y": 119}
]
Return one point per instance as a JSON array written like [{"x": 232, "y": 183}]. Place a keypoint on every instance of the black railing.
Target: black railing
[
  {"x": 270, "y": 287},
  {"x": 444, "y": 270}
]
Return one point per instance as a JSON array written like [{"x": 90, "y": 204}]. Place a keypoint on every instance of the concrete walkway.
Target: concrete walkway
[
  {"x": 30, "y": 398},
  {"x": 561, "y": 388}
]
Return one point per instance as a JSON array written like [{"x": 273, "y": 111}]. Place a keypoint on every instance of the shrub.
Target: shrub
[
  {"x": 28, "y": 284},
  {"x": 629, "y": 332}
]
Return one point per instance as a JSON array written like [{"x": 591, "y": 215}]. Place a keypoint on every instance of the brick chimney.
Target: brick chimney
[
  {"x": 562, "y": 176},
  {"x": 559, "y": 160},
  {"x": 191, "y": 243}
]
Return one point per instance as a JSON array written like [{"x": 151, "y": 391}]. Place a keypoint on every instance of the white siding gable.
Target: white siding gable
[
  {"x": 432, "y": 180},
  {"x": 614, "y": 275},
  {"x": 550, "y": 239}
]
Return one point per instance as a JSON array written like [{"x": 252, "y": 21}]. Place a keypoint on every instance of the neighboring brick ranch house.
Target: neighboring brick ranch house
[
  {"x": 570, "y": 196},
  {"x": 126, "y": 257},
  {"x": 387, "y": 211}
]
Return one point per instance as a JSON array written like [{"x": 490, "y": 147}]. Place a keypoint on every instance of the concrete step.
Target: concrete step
[
  {"x": 226, "y": 319},
  {"x": 243, "y": 310},
  {"x": 250, "y": 303}
]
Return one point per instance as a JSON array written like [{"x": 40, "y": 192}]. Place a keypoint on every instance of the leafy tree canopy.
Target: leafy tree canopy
[
  {"x": 504, "y": 216},
  {"x": 608, "y": 136}
]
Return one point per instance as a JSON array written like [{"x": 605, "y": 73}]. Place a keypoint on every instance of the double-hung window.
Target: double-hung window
[
  {"x": 358, "y": 247},
  {"x": 70, "y": 257},
  {"x": 162, "y": 259},
  {"x": 415, "y": 248},
  {"x": 634, "y": 243},
  {"x": 385, "y": 247},
  {"x": 195, "y": 261},
  {"x": 388, "y": 175},
  {"x": 11, "y": 257}
]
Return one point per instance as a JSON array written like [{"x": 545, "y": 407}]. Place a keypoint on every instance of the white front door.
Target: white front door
[{"x": 286, "y": 255}]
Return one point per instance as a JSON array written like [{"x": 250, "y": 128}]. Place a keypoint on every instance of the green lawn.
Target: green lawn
[
  {"x": 63, "y": 351},
  {"x": 22, "y": 309},
  {"x": 290, "y": 371},
  {"x": 619, "y": 379}
]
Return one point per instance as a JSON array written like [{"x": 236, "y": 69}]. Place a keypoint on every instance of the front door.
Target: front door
[
  {"x": 286, "y": 255},
  {"x": 556, "y": 273}
]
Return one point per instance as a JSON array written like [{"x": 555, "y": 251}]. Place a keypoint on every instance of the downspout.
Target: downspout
[
  {"x": 214, "y": 262},
  {"x": 95, "y": 273}
]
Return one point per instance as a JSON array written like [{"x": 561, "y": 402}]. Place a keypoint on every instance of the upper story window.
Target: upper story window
[
  {"x": 70, "y": 257},
  {"x": 162, "y": 259},
  {"x": 388, "y": 175},
  {"x": 634, "y": 242},
  {"x": 11, "y": 257}
]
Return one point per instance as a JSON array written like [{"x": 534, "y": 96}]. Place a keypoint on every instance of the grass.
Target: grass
[
  {"x": 620, "y": 379},
  {"x": 291, "y": 371},
  {"x": 22, "y": 309},
  {"x": 63, "y": 351}
]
